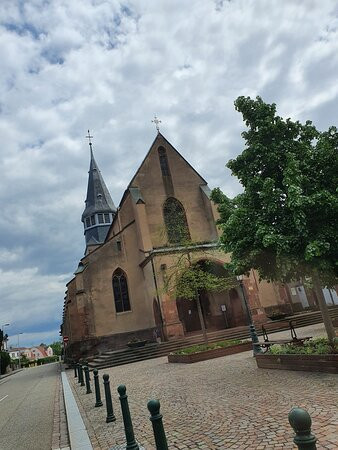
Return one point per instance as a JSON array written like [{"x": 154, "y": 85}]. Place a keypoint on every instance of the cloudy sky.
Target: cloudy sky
[{"x": 70, "y": 65}]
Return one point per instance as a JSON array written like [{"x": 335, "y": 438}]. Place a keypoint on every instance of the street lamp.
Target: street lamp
[
  {"x": 19, "y": 351},
  {"x": 4, "y": 341},
  {"x": 252, "y": 330}
]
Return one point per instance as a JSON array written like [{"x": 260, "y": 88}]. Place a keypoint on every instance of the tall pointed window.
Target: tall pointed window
[
  {"x": 175, "y": 221},
  {"x": 120, "y": 289},
  {"x": 162, "y": 154}
]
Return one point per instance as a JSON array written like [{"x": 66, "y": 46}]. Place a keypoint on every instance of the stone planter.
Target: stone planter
[
  {"x": 309, "y": 363},
  {"x": 136, "y": 344},
  {"x": 210, "y": 354},
  {"x": 276, "y": 317}
]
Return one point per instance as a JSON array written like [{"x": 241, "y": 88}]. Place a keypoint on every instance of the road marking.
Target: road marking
[{"x": 3, "y": 398}]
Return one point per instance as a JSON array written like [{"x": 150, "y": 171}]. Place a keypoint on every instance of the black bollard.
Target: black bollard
[
  {"x": 128, "y": 425},
  {"x": 82, "y": 383},
  {"x": 78, "y": 372},
  {"x": 85, "y": 363},
  {"x": 300, "y": 421},
  {"x": 156, "y": 419},
  {"x": 75, "y": 370},
  {"x": 109, "y": 404},
  {"x": 86, "y": 372},
  {"x": 97, "y": 388}
]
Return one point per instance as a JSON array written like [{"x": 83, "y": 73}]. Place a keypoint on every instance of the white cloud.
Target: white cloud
[{"x": 109, "y": 66}]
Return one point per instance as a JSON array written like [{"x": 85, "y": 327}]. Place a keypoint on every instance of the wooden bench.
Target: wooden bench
[{"x": 294, "y": 339}]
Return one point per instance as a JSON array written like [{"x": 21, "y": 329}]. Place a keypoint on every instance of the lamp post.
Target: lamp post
[
  {"x": 19, "y": 351},
  {"x": 252, "y": 330},
  {"x": 3, "y": 328}
]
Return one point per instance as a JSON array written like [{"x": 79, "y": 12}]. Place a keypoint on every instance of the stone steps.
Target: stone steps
[{"x": 154, "y": 350}]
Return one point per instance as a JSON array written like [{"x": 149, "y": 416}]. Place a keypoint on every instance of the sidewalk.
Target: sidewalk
[{"x": 224, "y": 403}]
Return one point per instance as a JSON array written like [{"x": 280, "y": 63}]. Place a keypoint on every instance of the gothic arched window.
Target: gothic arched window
[
  {"x": 175, "y": 221},
  {"x": 162, "y": 154},
  {"x": 120, "y": 288}
]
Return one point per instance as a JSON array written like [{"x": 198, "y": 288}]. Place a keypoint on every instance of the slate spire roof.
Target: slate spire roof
[{"x": 98, "y": 198}]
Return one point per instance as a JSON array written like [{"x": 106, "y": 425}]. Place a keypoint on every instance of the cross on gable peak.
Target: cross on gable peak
[{"x": 157, "y": 121}]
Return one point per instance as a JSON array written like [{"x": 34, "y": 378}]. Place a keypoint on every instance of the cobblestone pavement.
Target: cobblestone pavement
[{"x": 224, "y": 403}]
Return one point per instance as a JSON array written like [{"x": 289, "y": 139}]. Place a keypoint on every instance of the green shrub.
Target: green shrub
[
  {"x": 5, "y": 361},
  {"x": 48, "y": 359},
  {"x": 319, "y": 346},
  {"x": 204, "y": 347}
]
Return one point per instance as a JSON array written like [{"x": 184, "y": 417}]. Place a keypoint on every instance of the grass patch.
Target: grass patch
[
  {"x": 319, "y": 346},
  {"x": 203, "y": 347}
]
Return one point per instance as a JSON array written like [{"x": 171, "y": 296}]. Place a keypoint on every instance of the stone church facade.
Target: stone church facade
[{"x": 117, "y": 293}]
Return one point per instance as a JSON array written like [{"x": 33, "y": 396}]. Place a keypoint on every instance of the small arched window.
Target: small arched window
[
  {"x": 120, "y": 289},
  {"x": 162, "y": 154},
  {"x": 175, "y": 221}
]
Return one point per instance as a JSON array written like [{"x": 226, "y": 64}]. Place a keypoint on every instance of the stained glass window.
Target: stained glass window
[{"x": 120, "y": 288}]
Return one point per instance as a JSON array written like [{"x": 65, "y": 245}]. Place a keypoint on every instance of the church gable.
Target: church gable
[
  {"x": 163, "y": 161},
  {"x": 164, "y": 174}
]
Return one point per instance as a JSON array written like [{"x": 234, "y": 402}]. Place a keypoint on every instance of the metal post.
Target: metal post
[
  {"x": 78, "y": 365},
  {"x": 156, "y": 419},
  {"x": 97, "y": 389},
  {"x": 19, "y": 351},
  {"x": 300, "y": 421},
  {"x": 81, "y": 380},
  {"x": 128, "y": 425},
  {"x": 86, "y": 372},
  {"x": 109, "y": 404},
  {"x": 257, "y": 349}
]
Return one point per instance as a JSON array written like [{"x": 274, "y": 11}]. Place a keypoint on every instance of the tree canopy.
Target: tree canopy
[
  {"x": 56, "y": 347},
  {"x": 285, "y": 223}
]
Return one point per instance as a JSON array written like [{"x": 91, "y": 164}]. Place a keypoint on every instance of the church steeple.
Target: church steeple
[{"x": 100, "y": 209}]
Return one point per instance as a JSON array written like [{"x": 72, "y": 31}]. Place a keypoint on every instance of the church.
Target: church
[{"x": 117, "y": 293}]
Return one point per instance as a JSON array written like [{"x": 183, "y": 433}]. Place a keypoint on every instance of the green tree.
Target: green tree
[
  {"x": 56, "y": 347},
  {"x": 285, "y": 223}
]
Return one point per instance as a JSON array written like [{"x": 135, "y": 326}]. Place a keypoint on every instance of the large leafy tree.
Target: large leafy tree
[{"x": 285, "y": 223}]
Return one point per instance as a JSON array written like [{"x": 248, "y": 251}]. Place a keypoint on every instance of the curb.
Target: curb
[{"x": 78, "y": 436}]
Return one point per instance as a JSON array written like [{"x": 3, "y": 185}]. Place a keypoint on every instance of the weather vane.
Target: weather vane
[
  {"x": 89, "y": 137},
  {"x": 156, "y": 121}
]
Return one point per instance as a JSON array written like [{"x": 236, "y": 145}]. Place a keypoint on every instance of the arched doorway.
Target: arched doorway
[{"x": 220, "y": 309}]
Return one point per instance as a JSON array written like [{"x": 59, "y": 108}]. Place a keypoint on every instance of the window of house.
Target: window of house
[
  {"x": 100, "y": 217},
  {"x": 175, "y": 221},
  {"x": 107, "y": 218},
  {"x": 88, "y": 222},
  {"x": 92, "y": 220},
  {"x": 119, "y": 246},
  {"x": 120, "y": 289},
  {"x": 162, "y": 154}
]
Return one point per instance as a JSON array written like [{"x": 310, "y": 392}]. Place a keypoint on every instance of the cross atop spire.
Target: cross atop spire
[
  {"x": 156, "y": 121},
  {"x": 89, "y": 137}
]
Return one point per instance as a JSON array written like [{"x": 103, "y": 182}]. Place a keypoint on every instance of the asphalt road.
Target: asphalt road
[{"x": 27, "y": 408}]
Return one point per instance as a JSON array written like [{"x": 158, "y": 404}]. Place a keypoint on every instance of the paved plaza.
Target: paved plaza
[{"x": 224, "y": 403}]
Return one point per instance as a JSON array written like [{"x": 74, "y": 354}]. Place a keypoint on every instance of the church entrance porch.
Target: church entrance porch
[{"x": 220, "y": 310}]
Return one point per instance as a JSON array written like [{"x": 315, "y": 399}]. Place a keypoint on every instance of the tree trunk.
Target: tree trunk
[
  {"x": 323, "y": 308},
  {"x": 200, "y": 315}
]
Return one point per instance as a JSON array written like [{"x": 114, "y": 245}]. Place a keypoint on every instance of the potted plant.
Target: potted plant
[
  {"x": 136, "y": 342},
  {"x": 277, "y": 315}
]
